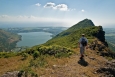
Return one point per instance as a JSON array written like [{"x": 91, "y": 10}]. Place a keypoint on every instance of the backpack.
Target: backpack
[{"x": 83, "y": 42}]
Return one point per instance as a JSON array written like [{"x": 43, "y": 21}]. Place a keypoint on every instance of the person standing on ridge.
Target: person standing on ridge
[{"x": 82, "y": 44}]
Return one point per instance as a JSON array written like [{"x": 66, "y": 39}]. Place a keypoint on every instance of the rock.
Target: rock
[
  {"x": 54, "y": 65},
  {"x": 11, "y": 74},
  {"x": 92, "y": 58},
  {"x": 108, "y": 69}
]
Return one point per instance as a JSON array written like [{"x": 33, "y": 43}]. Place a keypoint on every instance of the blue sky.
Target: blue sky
[{"x": 56, "y": 12}]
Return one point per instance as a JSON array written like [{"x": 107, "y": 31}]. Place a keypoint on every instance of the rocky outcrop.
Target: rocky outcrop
[
  {"x": 96, "y": 46},
  {"x": 100, "y": 34},
  {"x": 101, "y": 49},
  {"x": 108, "y": 54},
  {"x": 108, "y": 70},
  {"x": 100, "y": 45}
]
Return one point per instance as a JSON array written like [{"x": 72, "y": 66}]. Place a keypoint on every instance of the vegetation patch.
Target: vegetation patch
[
  {"x": 7, "y": 54},
  {"x": 54, "y": 50}
]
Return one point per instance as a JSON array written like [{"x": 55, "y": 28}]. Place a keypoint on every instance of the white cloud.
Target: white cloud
[
  {"x": 72, "y": 9},
  {"x": 38, "y": 4},
  {"x": 82, "y": 10},
  {"x": 6, "y": 18},
  {"x": 49, "y": 5},
  {"x": 34, "y": 19},
  {"x": 61, "y": 7}
]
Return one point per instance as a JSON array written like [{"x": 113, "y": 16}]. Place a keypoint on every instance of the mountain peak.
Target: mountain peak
[{"x": 82, "y": 24}]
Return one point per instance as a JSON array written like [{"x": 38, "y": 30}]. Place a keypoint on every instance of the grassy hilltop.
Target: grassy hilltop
[
  {"x": 59, "y": 57},
  {"x": 82, "y": 24}
]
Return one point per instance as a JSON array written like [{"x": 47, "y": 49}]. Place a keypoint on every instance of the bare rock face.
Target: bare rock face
[
  {"x": 11, "y": 74},
  {"x": 108, "y": 69}
]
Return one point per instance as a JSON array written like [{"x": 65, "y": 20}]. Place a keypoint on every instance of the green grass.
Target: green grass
[
  {"x": 72, "y": 39},
  {"x": 7, "y": 54}
]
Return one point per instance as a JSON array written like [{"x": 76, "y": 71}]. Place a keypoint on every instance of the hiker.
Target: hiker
[{"x": 82, "y": 44}]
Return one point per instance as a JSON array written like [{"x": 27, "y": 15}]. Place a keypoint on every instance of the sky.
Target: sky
[{"x": 64, "y": 13}]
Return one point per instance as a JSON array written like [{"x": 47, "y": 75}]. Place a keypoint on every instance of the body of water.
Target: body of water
[{"x": 33, "y": 38}]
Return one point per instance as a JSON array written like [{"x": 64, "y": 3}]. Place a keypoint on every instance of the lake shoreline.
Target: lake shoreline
[{"x": 36, "y": 37}]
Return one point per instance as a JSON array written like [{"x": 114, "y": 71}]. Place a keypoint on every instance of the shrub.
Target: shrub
[
  {"x": 54, "y": 50},
  {"x": 61, "y": 54},
  {"x": 27, "y": 72},
  {"x": 7, "y": 54},
  {"x": 36, "y": 54},
  {"x": 24, "y": 55}
]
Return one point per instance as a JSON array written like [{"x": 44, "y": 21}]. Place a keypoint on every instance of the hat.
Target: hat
[{"x": 83, "y": 34}]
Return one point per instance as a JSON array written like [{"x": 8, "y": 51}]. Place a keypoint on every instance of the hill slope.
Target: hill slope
[
  {"x": 94, "y": 34},
  {"x": 70, "y": 37},
  {"x": 8, "y": 40},
  {"x": 82, "y": 24}
]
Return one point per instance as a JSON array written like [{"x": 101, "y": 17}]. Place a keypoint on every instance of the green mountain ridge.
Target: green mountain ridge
[
  {"x": 94, "y": 34},
  {"x": 70, "y": 37},
  {"x": 80, "y": 25}
]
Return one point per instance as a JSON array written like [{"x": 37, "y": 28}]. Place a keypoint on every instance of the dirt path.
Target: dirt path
[{"x": 78, "y": 68}]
